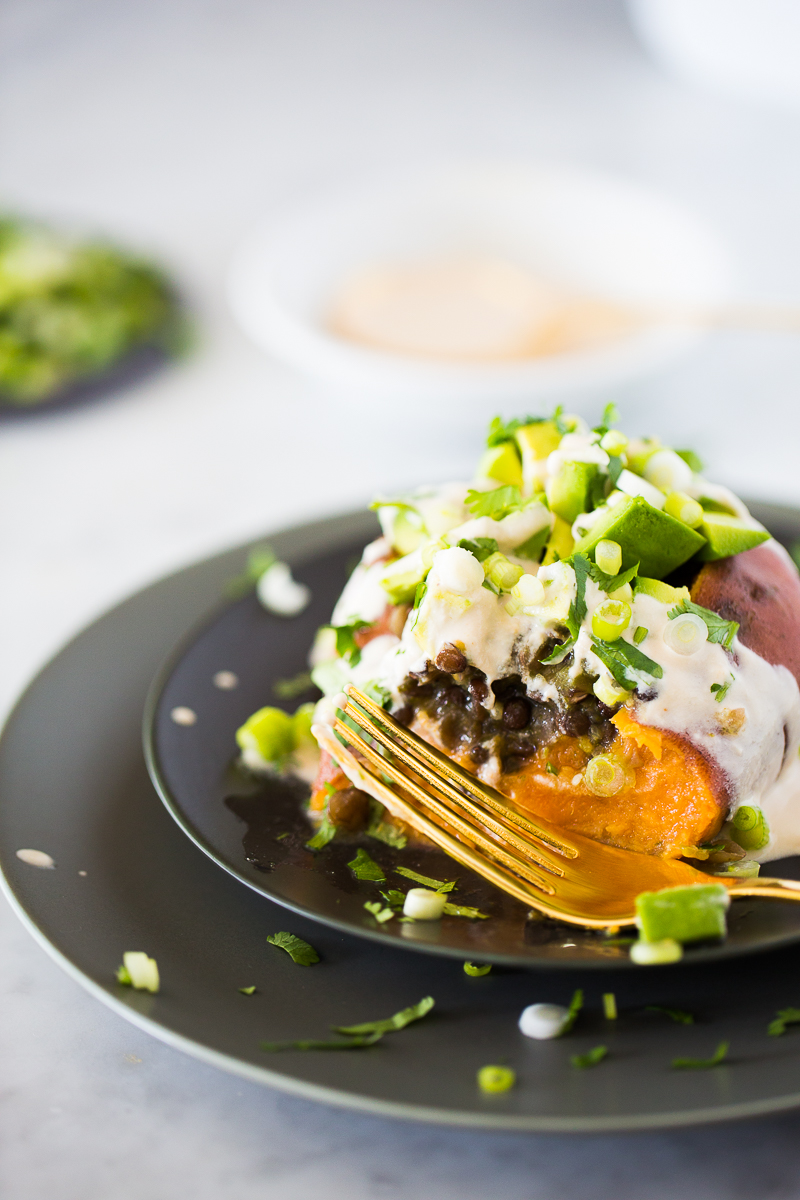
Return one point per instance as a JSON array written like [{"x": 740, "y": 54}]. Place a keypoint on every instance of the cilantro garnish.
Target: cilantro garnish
[
  {"x": 287, "y": 689},
  {"x": 326, "y": 833},
  {"x": 475, "y": 970},
  {"x": 702, "y": 1064},
  {"x": 353, "y": 1043},
  {"x": 414, "y": 1012},
  {"x": 364, "y": 867},
  {"x": 551, "y": 768},
  {"x": 720, "y": 631},
  {"x": 480, "y": 547},
  {"x": 721, "y": 689},
  {"x": 380, "y": 913},
  {"x": 610, "y": 583},
  {"x": 381, "y": 830},
  {"x": 678, "y": 1015},
  {"x": 533, "y": 547},
  {"x": 558, "y": 420},
  {"x": 610, "y": 417},
  {"x": 419, "y": 594},
  {"x": 620, "y": 657},
  {"x": 640, "y": 633},
  {"x": 577, "y": 610},
  {"x": 462, "y": 910},
  {"x": 784, "y": 1017},
  {"x": 394, "y": 898},
  {"x": 503, "y": 431},
  {"x": 575, "y": 1006},
  {"x": 248, "y": 991},
  {"x": 590, "y": 1059},
  {"x": 346, "y": 646},
  {"x": 299, "y": 951},
  {"x": 497, "y": 503},
  {"x": 438, "y": 885}
]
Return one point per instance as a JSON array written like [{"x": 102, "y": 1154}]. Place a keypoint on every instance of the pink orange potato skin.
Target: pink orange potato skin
[{"x": 761, "y": 590}]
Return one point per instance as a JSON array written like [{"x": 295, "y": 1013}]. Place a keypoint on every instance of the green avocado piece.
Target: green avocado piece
[
  {"x": 728, "y": 535},
  {"x": 687, "y": 914},
  {"x": 661, "y": 591},
  {"x": 502, "y": 463},
  {"x": 647, "y": 535},
  {"x": 568, "y": 492}
]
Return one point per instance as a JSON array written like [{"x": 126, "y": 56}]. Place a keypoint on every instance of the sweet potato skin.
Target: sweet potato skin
[{"x": 761, "y": 590}]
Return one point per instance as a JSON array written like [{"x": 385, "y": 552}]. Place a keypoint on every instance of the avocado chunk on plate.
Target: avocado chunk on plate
[
  {"x": 502, "y": 463},
  {"x": 648, "y": 536},
  {"x": 568, "y": 491},
  {"x": 727, "y": 535}
]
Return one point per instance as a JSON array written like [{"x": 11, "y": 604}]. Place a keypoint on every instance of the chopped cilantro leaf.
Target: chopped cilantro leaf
[
  {"x": 477, "y": 969},
  {"x": 786, "y": 1016},
  {"x": 721, "y": 689},
  {"x": 462, "y": 910},
  {"x": 380, "y": 913},
  {"x": 382, "y": 831},
  {"x": 551, "y": 769},
  {"x": 503, "y": 431},
  {"x": 640, "y": 633},
  {"x": 575, "y": 1006},
  {"x": 577, "y": 610},
  {"x": 438, "y": 885},
  {"x": 248, "y": 991},
  {"x": 590, "y": 1059},
  {"x": 533, "y": 547},
  {"x": 720, "y": 631},
  {"x": 353, "y": 1043},
  {"x": 678, "y": 1015},
  {"x": 495, "y": 504},
  {"x": 620, "y": 656},
  {"x": 390, "y": 1024},
  {"x": 480, "y": 547},
  {"x": 702, "y": 1064},
  {"x": 346, "y": 646},
  {"x": 287, "y": 689},
  {"x": 610, "y": 583},
  {"x": 394, "y": 898},
  {"x": 364, "y": 867},
  {"x": 299, "y": 951},
  {"x": 326, "y": 833}
]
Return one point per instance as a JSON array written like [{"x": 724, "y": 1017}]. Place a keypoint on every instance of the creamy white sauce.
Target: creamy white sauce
[{"x": 759, "y": 760}]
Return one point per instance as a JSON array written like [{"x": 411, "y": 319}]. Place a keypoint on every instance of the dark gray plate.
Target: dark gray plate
[
  {"x": 73, "y": 783},
  {"x": 258, "y": 831}
]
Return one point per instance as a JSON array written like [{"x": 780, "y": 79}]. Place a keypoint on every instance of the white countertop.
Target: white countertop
[{"x": 173, "y": 124}]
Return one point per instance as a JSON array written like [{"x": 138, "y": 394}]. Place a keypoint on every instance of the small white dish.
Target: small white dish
[{"x": 586, "y": 231}]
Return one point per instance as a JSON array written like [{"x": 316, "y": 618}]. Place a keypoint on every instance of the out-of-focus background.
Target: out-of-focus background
[{"x": 172, "y": 126}]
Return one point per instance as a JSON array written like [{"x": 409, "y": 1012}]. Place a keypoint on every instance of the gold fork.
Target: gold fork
[{"x": 563, "y": 875}]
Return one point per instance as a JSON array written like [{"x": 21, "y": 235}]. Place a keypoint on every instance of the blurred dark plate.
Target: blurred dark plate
[
  {"x": 257, "y": 829},
  {"x": 126, "y": 877}
]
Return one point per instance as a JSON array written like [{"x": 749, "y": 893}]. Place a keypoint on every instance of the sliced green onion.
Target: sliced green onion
[
  {"x": 477, "y": 969},
  {"x": 745, "y": 868},
  {"x": 608, "y": 556},
  {"x": 139, "y": 971},
  {"x": 496, "y": 1079},
  {"x": 750, "y": 829},
  {"x": 653, "y": 954},
  {"x": 686, "y": 634},
  {"x": 605, "y": 776},
  {"x": 613, "y": 442},
  {"x": 502, "y": 573},
  {"x": 640, "y": 633},
  {"x": 424, "y": 905},
  {"x": 528, "y": 590},
  {"x": 610, "y": 619},
  {"x": 683, "y": 508},
  {"x": 610, "y": 1006}
]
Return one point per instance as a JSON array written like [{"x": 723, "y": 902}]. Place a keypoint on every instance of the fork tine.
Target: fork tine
[
  {"x": 431, "y": 764},
  {"x": 362, "y": 777},
  {"x": 444, "y": 815},
  {"x": 455, "y": 800}
]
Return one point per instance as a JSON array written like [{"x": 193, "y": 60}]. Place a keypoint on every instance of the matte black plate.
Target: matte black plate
[
  {"x": 258, "y": 830},
  {"x": 81, "y": 792}
]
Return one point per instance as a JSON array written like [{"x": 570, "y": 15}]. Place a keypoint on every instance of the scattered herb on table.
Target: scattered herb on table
[
  {"x": 678, "y": 1015},
  {"x": 463, "y": 910},
  {"x": 378, "y": 911},
  {"x": 364, "y": 867},
  {"x": 394, "y": 898},
  {"x": 784, "y": 1017},
  {"x": 248, "y": 991},
  {"x": 702, "y": 1064},
  {"x": 438, "y": 885},
  {"x": 326, "y": 833},
  {"x": 353, "y": 1043},
  {"x": 610, "y": 1006},
  {"x": 399, "y": 1020},
  {"x": 575, "y": 1006},
  {"x": 590, "y": 1059},
  {"x": 299, "y": 951},
  {"x": 477, "y": 969}
]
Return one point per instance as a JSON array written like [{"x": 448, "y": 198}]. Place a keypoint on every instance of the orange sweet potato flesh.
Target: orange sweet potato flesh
[
  {"x": 761, "y": 590},
  {"x": 671, "y": 804}
]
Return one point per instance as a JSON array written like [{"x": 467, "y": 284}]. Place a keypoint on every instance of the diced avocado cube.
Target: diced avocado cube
[
  {"x": 647, "y": 535},
  {"x": 400, "y": 578},
  {"x": 661, "y": 591},
  {"x": 726, "y": 535},
  {"x": 535, "y": 442},
  {"x": 685, "y": 914},
  {"x": 270, "y": 732},
  {"x": 560, "y": 544},
  {"x": 568, "y": 491},
  {"x": 502, "y": 463}
]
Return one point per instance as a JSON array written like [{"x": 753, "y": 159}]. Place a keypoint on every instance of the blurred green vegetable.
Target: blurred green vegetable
[{"x": 69, "y": 310}]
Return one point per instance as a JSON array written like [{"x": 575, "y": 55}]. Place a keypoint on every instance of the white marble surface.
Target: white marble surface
[{"x": 173, "y": 124}]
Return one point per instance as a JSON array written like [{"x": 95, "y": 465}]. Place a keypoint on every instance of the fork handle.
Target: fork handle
[{"x": 775, "y": 889}]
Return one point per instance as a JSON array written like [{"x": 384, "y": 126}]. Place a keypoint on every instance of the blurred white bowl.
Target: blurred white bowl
[{"x": 589, "y": 232}]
